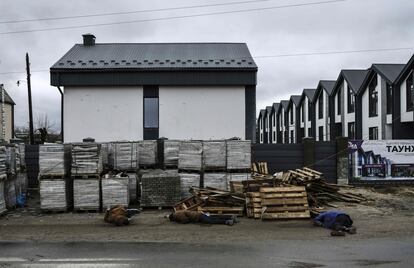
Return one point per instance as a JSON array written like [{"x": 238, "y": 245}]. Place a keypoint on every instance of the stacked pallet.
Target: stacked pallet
[
  {"x": 52, "y": 159},
  {"x": 86, "y": 169},
  {"x": 134, "y": 187},
  {"x": 3, "y": 167},
  {"x": 22, "y": 153},
  {"x": 2, "y": 198},
  {"x": 234, "y": 181},
  {"x": 216, "y": 180},
  {"x": 124, "y": 156},
  {"x": 53, "y": 195},
  {"x": 190, "y": 156},
  {"x": 86, "y": 158},
  {"x": 188, "y": 180},
  {"x": 106, "y": 148},
  {"x": 160, "y": 188},
  {"x": 10, "y": 192},
  {"x": 253, "y": 205},
  {"x": 11, "y": 159},
  {"x": 171, "y": 149},
  {"x": 284, "y": 203},
  {"x": 86, "y": 194},
  {"x": 115, "y": 191},
  {"x": 238, "y": 155},
  {"x": 214, "y": 155},
  {"x": 147, "y": 153}
]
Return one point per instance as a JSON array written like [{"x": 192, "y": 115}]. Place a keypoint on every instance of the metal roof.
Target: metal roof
[
  {"x": 309, "y": 92},
  {"x": 150, "y": 56},
  {"x": 285, "y": 104},
  {"x": 405, "y": 71},
  {"x": 295, "y": 99},
  {"x": 276, "y": 106},
  {"x": 389, "y": 71},
  {"x": 355, "y": 78},
  {"x": 7, "y": 98}
]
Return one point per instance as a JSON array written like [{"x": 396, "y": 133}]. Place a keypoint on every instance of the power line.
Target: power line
[
  {"x": 283, "y": 55},
  {"x": 132, "y": 12},
  {"x": 173, "y": 17}
]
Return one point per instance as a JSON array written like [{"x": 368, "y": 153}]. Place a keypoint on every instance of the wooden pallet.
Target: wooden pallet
[
  {"x": 190, "y": 203},
  {"x": 253, "y": 205},
  {"x": 223, "y": 210},
  {"x": 284, "y": 203},
  {"x": 260, "y": 167},
  {"x": 236, "y": 186}
]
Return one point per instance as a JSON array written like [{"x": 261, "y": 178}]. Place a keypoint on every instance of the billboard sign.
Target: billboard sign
[{"x": 381, "y": 159}]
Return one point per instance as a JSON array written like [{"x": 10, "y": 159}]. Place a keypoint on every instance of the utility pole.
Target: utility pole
[
  {"x": 3, "y": 120},
  {"x": 29, "y": 94}
]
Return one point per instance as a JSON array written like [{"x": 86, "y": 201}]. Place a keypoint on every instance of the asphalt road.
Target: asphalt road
[{"x": 328, "y": 252}]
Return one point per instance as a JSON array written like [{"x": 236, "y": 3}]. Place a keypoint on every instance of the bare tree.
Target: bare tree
[{"x": 43, "y": 122}]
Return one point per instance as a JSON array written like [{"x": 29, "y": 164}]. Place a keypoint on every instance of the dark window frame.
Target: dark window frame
[
  {"x": 303, "y": 113},
  {"x": 350, "y": 100},
  {"x": 373, "y": 133},
  {"x": 373, "y": 97},
  {"x": 351, "y": 130},
  {"x": 320, "y": 134},
  {"x": 291, "y": 115},
  {"x": 409, "y": 91},
  {"x": 390, "y": 97},
  {"x": 320, "y": 105},
  {"x": 309, "y": 111},
  {"x": 338, "y": 102},
  {"x": 150, "y": 133}
]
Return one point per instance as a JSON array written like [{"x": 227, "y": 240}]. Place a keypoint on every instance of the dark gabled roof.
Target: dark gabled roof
[
  {"x": 295, "y": 99},
  {"x": 262, "y": 113},
  {"x": 389, "y": 72},
  {"x": 7, "y": 98},
  {"x": 276, "y": 107},
  {"x": 284, "y": 104},
  {"x": 326, "y": 85},
  {"x": 150, "y": 56},
  {"x": 354, "y": 78},
  {"x": 309, "y": 92},
  {"x": 405, "y": 71},
  {"x": 269, "y": 109}
]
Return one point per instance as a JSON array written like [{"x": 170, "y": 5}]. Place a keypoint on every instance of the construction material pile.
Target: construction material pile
[
  {"x": 52, "y": 159},
  {"x": 147, "y": 153},
  {"x": 160, "y": 188},
  {"x": 190, "y": 156},
  {"x": 188, "y": 180},
  {"x": 213, "y": 201},
  {"x": 2, "y": 198},
  {"x": 124, "y": 156},
  {"x": 53, "y": 195},
  {"x": 86, "y": 194},
  {"x": 238, "y": 155},
  {"x": 171, "y": 149},
  {"x": 86, "y": 158},
  {"x": 3, "y": 167},
  {"x": 115, "y": 190},
  {"x": 214, "y": 155}
]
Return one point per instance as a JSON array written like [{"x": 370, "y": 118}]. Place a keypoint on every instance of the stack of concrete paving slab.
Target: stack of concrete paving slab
[
  {"x": 133, "y": 186},
  {"x": 190, "y": 156},
  {"x": 216, "y": 180},
  {"x": 187, "y": 181},
  {"x": 171, "y": 149},
  {"x": 53, "y": 195},
  {"x": 2, "y": 198},
  {"x": 124, "y": 156},
  {"x": 214, "y": 155},
  {"x": 52, "y": 159},
  {"x": 238, "y": 155},
  {"x": 86, "y": 158},
  {"x": 160, "y": 188},
  {"x": 86, "y": 194},
  {"x": 115, "y": 191},
  {"x": 147, "y": 153}
]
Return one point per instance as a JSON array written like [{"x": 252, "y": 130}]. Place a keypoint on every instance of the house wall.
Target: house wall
[
  {"x": 307, "y": 123},
  {"x": 201, "y": 112},
  {"x": 375, "y": 121},
  {"x": 324, "y": 120},
  {"x": 347, "y": 117},
  {"x": 405, "y": 116},
  {"x": 8, "y": 122},
  {"x": 274, "y": 130},
  {"x": 260, "y": 126},
  {"x": 292, "y": 124},
  {"x": 282, "y": 127},
  {"x": 103, "y": 113}
]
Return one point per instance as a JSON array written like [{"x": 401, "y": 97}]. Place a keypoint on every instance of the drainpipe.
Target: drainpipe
[{"x": 61, "y": 112}]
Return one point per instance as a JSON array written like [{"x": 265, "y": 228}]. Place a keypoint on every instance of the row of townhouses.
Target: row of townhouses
[{"x": 374, "y": 103}]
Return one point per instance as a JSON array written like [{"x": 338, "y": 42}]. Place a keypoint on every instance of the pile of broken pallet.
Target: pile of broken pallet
[{"x": 213, "y": 201}]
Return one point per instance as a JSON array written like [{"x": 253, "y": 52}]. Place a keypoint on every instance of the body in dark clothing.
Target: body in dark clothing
[
  {"x": 337, "y": 221},
  {"x": 187, "y": 216}
]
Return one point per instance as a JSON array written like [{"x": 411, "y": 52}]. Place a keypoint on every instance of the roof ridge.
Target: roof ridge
[{"x": 167, "y": 43}]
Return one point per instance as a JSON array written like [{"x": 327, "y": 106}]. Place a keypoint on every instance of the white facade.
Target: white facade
[
  {"x": 202, "y": 112},
  {"x": 274, "y": 130},
  {"x": 116, "y": 113},
  {"x": 405, "y": 116},
  {"x": 8, "y": 122},
  {"x": 324, "y": 121},
  {"x": 103, "y": 113},
  {"x": 260, "y": 126},
  {"x": 306, "y": 122},
  {"x": 282, "y": 127},
  {"x": 292, "y": 124}
]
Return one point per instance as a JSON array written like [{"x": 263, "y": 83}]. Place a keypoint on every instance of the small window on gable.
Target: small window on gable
[{"x": 410, "y": 92}]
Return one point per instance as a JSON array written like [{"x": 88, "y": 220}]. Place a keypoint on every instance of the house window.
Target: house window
[
  {"x": 151, "y": 113},
  {"x": 309, "y": 132},
  {"x": 292, "y": 136},
  {"x": 291, "y": 116},
  {"x": 320, "y": 106},
  {"x": 303, "y": 113},
  {"x": 410, "y": 92},
  {"x": 309, "y": 111},
  {"x": 338, "y": 102},
  {"x": 261, "y": 137},
  {"x": 351, "y": 100},
  {"x": 389, "y": 98},
  {"x": 373, "y": 98},
  {"x": 351, "y": 130},
  {"x": 321, "y": 133},
  {"x": 373, "y": 133}
]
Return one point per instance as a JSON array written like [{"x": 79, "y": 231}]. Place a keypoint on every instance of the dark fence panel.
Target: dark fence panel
[
  {"x": 279, "y": 157},
  {"x": 32, "y": 164},
  {"x": 325, "y": 160}
]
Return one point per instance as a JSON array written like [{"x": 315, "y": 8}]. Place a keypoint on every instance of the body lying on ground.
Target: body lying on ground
[
  {"x": 119, "y": 215},
  {"x": 337, "y": 221},
  {"x": 187, "y": 216}
]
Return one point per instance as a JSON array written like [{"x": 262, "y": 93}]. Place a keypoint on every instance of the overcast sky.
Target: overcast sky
[{"x": 339, "y": 26}]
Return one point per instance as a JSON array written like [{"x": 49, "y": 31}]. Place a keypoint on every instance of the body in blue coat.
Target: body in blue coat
[{"x": 333, "y": 219}]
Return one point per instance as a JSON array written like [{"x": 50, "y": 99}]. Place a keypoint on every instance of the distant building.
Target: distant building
[
  {"x": 141, "y": 91},
  {"x": 292, "y": 117},
  {"x": 8, "y": 120},
  {"x": 321, "y": 99},
  {"x": 306, "y": 114}
]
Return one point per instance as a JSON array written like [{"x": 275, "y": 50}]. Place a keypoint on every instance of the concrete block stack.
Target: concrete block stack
[
  {"x": 160, "y": 188},
  {"x": 190, "y": 156},
  {"x": 238, "y": 155},
  {"x": 55, "y": 186},
  {"x": 115, "y": 191},
  {"x": 216, "y": 180},
  {"x": 10, "y": 182},
  {"x": 86, "y": 170},
  {"x": 3, "y": 208},
  {"x": 134, "y": 186},
  {"x": 171, "y": 150},
  {"x": 124, "y": 156},
  {"x": 214, "y": 155},
  {"x": 147, "y": 153},
  {"x": 187, "y": 181}
]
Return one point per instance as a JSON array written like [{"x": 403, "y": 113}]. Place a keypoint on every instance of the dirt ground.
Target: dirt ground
[{"x": 389, "y": 212}]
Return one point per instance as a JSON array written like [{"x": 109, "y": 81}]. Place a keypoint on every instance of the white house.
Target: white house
[
  {"x": 376, "y": 99},
  {"x": 6, "y": 117},
  {"x": 321, "y": 100},
  {"x": 403, "y": 122},
  {"x": 268, "y": 125},
  {"x": 260, "y": 125},
  {"x": 136, "y": 91},
  {"x": 275, "y": 132},
  {"x": 306, "y": 114},
  {"x": 282, "y": 122},
  {"x": 347, "y": 85},
  {"x": 292, "y": 118}
]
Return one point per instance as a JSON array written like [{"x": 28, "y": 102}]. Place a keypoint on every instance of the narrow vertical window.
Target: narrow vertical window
[
  {"x": 390, "y": 98},
  {"x": 151, "y": 113},
  {"x": 351, "y": 130},
  {"x": 320, "y": 106},
  {"x": 373, "y": 98},
  {"x": 291, "y": 116},
  {"x": 338, "y": 101},
  {"x": 320, "y": 133},
  {"x": 303, "y": 113},
  {"x": 309, "y": 111},
  {"x": 351, "y": 100},
  {"x": 410, "y": 93},
  {"x": 373, "y": 133}
]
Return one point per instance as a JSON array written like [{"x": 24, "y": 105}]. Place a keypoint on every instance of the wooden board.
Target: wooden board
[
  {"x": 282, "y": 189},
  {"x": 222, "y": 210},
  {"x": 283, "y": 201}
]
